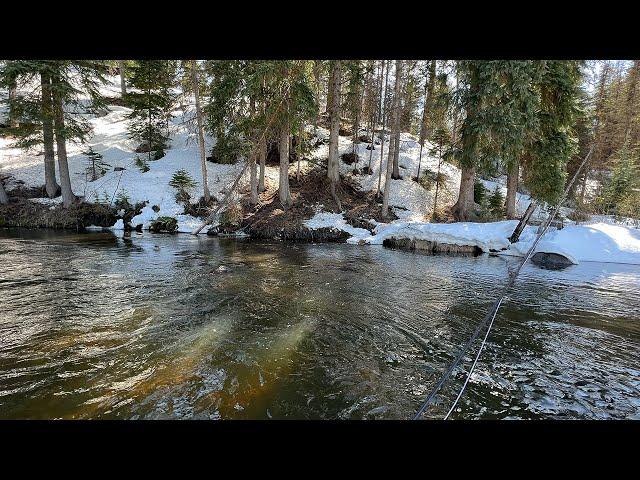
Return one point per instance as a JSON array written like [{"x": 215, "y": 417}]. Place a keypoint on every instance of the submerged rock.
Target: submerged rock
[
  {"x": 223, "y": 269},
  {"x": 551, "y": 261},
  {"x": 164, "y": 225}
]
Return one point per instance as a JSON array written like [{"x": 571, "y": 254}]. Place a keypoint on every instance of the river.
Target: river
[{"x": 157, "y": 326}]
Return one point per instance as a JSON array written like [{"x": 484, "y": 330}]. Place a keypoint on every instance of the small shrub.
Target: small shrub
[
  {"x": 122, "y": 200},
  {"x": 183, "y": 183},
  {"x": 429, "y": 178},
  {"x": 479, "y": 192},
  {"x": 227, "y": 149},
  {"x": 142, "y": 164},
  {"x": 231, "y": 216},
  {"x": 97, "y": 167},
  {"x": 496, "y": 203},
  {"x": 163, "y": 224}
]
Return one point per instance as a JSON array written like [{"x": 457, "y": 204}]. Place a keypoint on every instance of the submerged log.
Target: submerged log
[{"x": 432, "y": 247}]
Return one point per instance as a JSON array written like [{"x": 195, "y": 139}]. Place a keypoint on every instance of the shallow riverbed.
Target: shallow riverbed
[{"x": 96, "y": 326}]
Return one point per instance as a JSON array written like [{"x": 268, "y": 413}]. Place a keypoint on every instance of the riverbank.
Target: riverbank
[{"x": 129, "y": 195}]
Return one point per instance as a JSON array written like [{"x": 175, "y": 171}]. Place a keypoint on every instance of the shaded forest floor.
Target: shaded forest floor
[{"x": 309, "y": 194}]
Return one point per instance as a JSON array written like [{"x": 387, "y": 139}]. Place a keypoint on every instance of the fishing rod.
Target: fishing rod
[{"x": 491, "y": 315}]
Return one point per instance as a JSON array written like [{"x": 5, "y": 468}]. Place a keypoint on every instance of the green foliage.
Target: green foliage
[
  {"x": 496, "y": 203},
  {"x": 97, "y": 167},
  {"x": 73, "y": 81},
  {"x": 122, "y": 200},
  {"x": 164, "y": 224},
  {"x": 247, "y": 96},
  {"x": 228, "y": 148},
  {"x": 151, "y": 100},
  {"x": 429, "y": 178},
  {"x": 620, "y": 194},
  {"x": 479, "y": 192},
  {"x": 555, "y": 142},
  {"x": 182, "y": 182},
  {"x": 142, "y": 164}
]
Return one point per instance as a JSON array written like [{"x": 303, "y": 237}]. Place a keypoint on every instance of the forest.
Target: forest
[
  {"x": 319, "y": 239},
  {"x": 527, "y": 123}
]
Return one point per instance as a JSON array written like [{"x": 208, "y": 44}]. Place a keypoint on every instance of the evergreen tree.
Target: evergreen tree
[
  {"x": 554, "y": 140},
  {"x": 624, "y": 180},
  {"x": 496, "y": 203},
  {"x": 515, "y": 110},
  {"x": 52, "y": 109},
  {"x": 151, "y": 101}
]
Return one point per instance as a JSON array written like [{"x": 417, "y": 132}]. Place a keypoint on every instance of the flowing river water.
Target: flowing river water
[{"x": 96, "y": 326}]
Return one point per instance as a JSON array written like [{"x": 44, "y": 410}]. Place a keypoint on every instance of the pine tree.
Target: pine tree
[
  {"x": 554, "y": 140},
  {"x": 151, "y": 101},
  {"x": 496, "y": 203},
  {"x": 500, "y": 102},
  {"x": 96, "y": 167},
  {"x": 51, "y": 111},
  {"x": 624, "y": 180}
]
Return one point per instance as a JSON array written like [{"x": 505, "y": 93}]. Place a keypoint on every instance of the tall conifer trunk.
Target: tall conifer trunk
[
  {"x": 203, "y": 158},
  {"x": 512, "y": 188},
  {"x": 395, "y": 143},
  {"x": 68, "y": 198},
  {"x": 51, "y": 185},
  {"x": 4, "y": 199},
  {"x": 262, "y": 154},
  {"x": 123, "y": 82},
  {"x": 285, "y": 194},
  {"x": 334, "y": 112},
  {"x": 464, "y": 206}
]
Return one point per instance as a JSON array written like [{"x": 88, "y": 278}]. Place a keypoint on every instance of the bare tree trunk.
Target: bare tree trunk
[
  {"x": 428, "y": 92},
  {"x": 512, "y": 188},
  {"x": 203, "y": 157},
  {"x": 374, "y": 117},
  {"x": 123, "y": 82},
  {"x": 262, "y": 153},
  {"x": 285, "y": 194},
  {"x": 300, "y": 133},
  {"x": 395, "y": 143},
  {"x": 332, "y": 165},
  {"x": 384, "y": 121},
  {"x": 4, "y": 199},
  {"x": 13, "y": 118},
  {"x": 253, "y": 183},
  {"x": 435, "y": 197},
  {"x": 316, "y": 75},
  {"x": 51, "y": 185},
  {"x": 68, "y": 198},
  {"x": 515, "y": 236},
  {"x": 397, "y": 105},
  {"x": 464, "y": 206}
]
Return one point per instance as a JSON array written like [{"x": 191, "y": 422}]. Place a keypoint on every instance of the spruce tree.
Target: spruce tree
[
  {"x": 151, "y": 100},
  {"x": 554, "y": 141},
  {"x": 52, "y": 110}
]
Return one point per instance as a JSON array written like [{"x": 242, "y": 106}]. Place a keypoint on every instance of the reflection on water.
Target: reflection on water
[{"x": 96, "y": 326}]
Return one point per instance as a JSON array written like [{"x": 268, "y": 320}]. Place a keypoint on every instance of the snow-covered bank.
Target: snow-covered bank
[
  {"x": 110, "y": 139},
  {"x": 486, "y": 236},
  {"x": 597, "y": 242}
]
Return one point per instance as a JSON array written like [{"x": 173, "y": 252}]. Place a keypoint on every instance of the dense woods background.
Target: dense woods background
[{"x": 532, "y": 121}]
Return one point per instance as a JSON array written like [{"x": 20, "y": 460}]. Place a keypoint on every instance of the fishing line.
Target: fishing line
[{"x": 491, "y": 315}]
